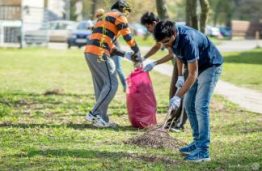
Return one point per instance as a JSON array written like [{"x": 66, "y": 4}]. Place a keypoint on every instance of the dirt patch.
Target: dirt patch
[
  {"x": 156, "y": 138},
  {"x": 56, "y": 91}
]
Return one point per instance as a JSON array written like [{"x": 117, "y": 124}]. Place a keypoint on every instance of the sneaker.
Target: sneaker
[
  {"x": 90, "y": 117},
  {"x": 176, "y": 129},
  {"x": 100, "y": 123},
  {"x": 188, "y": 149},
  {"x": 198, "y": 156}
]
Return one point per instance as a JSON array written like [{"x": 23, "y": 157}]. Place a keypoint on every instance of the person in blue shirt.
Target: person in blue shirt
[
  {"x": 179, "y": 117},
  {"x": 204, "y": 63}
]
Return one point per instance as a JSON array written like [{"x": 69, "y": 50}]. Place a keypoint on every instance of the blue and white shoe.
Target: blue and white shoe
[
  {"x": 188, "y": 149},
  {"x": 198, "y": 156}
]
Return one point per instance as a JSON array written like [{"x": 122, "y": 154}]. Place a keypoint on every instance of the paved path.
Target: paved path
[
  {"x": 245, "y": 98},
  {"x": 224, "y": 46}
]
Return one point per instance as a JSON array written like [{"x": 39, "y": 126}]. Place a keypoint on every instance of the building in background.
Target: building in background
[
  {"x": 78, "y": 10},
  {"x": 18, "y": 17}
]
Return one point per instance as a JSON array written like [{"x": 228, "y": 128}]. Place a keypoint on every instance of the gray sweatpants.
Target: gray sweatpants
[{"x": 105, "y": 82}]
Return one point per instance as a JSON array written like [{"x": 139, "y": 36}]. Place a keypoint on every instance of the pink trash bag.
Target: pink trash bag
[{"x": 141, "y": 101}]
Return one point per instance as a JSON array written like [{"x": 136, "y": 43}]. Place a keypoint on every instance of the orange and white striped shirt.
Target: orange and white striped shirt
[{"x": 106, "y": 31}]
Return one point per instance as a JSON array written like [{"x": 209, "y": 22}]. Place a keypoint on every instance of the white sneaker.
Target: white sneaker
[
  {"x": 100, "y": 123},
  {"x": 90, "y": 117},
  {"x": 175, "y": 129}
]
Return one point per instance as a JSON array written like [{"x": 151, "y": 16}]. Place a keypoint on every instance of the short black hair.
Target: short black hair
[
  {"x": 148, "y": 18},
  {"x": 164, "y": 29},
  {"x": 121, "y": 5}
]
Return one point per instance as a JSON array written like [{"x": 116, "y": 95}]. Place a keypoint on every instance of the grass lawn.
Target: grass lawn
[
  {"x": 40, "y": 132},
  {"x": 141, "y": 41},
  {"x": 150, "y": 41},
  {"x": 244, "y": 68}
]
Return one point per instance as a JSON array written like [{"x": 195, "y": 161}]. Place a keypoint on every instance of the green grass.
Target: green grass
[
  {"x": 150, "y": 41},
  {"x": 141, "y": 41},
  {"x": 40, "y": 132},
  {"x": 244, "y": 68}
]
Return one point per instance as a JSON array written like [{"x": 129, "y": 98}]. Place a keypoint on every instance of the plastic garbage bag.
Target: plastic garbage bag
[{"x": 141, "y": 101}]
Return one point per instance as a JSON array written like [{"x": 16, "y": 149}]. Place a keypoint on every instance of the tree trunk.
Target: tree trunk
[
  {"x": 194, "y": 14},
  {"x": 188, "y": 13},
  {"x": 93, "y": 10},
  {"x": 191, "y": 13},
  {"x": 162, "y": 9},
  {"x": 204, "y": 14}
]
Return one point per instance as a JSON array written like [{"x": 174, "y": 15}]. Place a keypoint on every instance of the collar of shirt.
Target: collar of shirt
[{"x": 176, "y": 39}]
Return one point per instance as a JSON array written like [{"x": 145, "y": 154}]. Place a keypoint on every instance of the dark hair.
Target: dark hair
[
  {"x": 164, "y": 29},
  {"x": 149, "y": 18},
  {"x": 121, "y": 5}
]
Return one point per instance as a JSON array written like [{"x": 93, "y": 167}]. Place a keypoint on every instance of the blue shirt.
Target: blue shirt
[{"x": 191, "y": 45}]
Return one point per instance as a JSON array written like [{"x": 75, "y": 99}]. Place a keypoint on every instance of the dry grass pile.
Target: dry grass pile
[{"x": 156, "y": 138}]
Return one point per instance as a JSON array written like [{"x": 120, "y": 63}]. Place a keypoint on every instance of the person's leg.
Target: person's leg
[
  {"x": 178, "y": 116},
  {"x": 206, "y": 84},
  {"x": 189, "y": 101},
  {"x": 114, "y": 86},
  {"x": 175, "y": 114},
  {"x": 106, "y": 71},
  {"x": 117, "y": 61},
  {"x": 172, "y": 89},
  {"x": 97, "y": 81},
  {"x": 181, "y": 120}
]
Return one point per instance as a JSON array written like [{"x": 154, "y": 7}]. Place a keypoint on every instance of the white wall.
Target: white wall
[
  {"x": 57, "y": 7},
  {"x": 33, "y": 14}
]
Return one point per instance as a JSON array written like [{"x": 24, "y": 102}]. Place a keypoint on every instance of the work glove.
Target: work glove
[
  {"x": 149, "y": 66},
  {"x": 128, "y": 55},
  {"x": 180, "y": 81},
  {"x": 137, "y": 58},
  {"x": 174, "y": 103}
]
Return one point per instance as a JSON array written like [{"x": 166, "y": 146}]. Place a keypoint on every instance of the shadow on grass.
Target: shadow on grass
[
  {"x": 67, "y": 125},
  {"x": 37, "y": 95},
  {"x": 99, "y": 155},
  {"x": 253, "y": 57},
  {"x": 40, "y": 101}
]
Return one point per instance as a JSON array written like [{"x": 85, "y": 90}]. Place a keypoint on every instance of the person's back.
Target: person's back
[
  {"x": 206, "y": 50},
  {"x": 106, "y": 31}
]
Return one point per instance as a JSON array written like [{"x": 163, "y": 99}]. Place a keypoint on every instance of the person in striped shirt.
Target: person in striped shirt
[
  {"x": 98, "y": 52},
  {"x": 117, "y": 59}
]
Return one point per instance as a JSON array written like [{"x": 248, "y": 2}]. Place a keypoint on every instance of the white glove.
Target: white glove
[
  {"x": 128, "y": 55},
  {"x": 149, "y": 66},
  {"x": 174, "y": 103},
  {"x": 180, "y": 81}
]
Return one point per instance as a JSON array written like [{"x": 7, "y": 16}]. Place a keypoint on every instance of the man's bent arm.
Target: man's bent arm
[
  {"x": 180, "y": 66},
  {"x": 166, "y": 58},
  {"x": 192, "y": 76},
  {"x": 153, "y": 50}
]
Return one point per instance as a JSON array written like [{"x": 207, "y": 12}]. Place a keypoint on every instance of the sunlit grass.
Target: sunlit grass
[{"x": 40, "y": 132}]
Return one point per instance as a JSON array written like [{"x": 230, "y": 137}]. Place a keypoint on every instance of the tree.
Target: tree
[
  {"x": 162, "y": 9},
  {"x": 192, "y": 17},
  {"x": 191, "y": 13},
  {"x": 93, "y": 10},
  {"x": 204, "y": 14}
]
